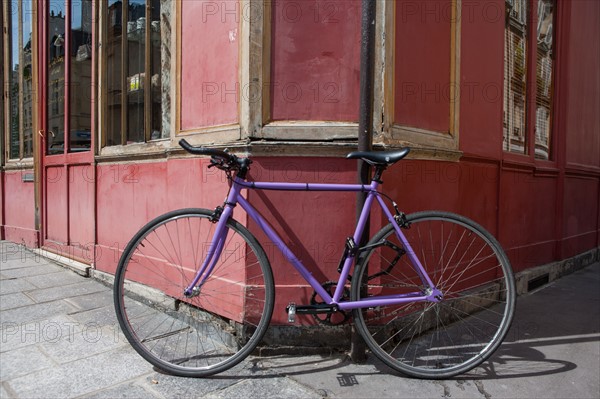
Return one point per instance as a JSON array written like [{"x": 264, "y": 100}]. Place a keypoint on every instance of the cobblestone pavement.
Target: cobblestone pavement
[{"x": 60, "y": 339}]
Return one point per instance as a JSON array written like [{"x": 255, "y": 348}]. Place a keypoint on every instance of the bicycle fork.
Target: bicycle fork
[
  {"x": 432, "y": 293},
  {"x": 216, "y": 246}
]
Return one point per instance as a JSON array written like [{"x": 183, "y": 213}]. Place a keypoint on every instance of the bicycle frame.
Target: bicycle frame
[{"x": 234, "y": 197}]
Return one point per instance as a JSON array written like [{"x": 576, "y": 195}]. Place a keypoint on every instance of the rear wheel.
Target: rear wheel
[
  {"x": 435, "y": 339},
  {"x": 211, "y": 331}
]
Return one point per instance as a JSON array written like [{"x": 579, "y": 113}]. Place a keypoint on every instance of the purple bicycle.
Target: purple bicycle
[{"x": 432, "y": 293}]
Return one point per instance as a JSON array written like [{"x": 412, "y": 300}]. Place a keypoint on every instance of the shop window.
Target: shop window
[
  {"x": 137, "y": 66},
  {"x": 18, "y": 67},
  {"x": 521, "y": 37},
  {"x": 544, "y": 78}
]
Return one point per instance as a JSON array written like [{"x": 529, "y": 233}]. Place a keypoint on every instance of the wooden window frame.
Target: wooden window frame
[
  {"x": 149, "y": 148},
  {"x": 302, "y": 130},
  {"x": 219, "y": 134},
  {"x": 21, "y": 162},
  {"x": 427, "y": 144}
]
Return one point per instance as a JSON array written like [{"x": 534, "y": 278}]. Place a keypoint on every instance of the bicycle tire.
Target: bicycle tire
[
  {"x": 436, "y": 339},
  {"x": 205, "y": 334}
]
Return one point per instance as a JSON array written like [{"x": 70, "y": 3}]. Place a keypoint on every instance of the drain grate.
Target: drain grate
[{"x": 538, "y": 282}]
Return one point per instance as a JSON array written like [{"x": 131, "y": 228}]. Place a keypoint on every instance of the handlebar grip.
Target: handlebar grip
[{"x": 204, "y": 151}]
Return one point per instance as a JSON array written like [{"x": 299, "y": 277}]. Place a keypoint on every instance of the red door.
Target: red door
[{"x": 67, "y": 135}]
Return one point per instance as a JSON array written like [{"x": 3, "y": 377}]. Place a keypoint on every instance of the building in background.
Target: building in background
[{"x": 499, "y": 100}]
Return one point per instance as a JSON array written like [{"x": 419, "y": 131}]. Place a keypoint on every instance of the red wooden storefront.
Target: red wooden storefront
[{"x": 280, "y": 81}]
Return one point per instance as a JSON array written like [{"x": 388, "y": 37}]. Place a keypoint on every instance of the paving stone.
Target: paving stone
[
  {"x": 104, "y": 316},
  {"x": 16, "y": 300},
  {"x": 14, "y": 285},
  {"x": 66, "y": 291},
  {"x": 41, "y": 271},
  {"x": 30, "y": 261},
  {"x": 13, "y": 335},
  {"x": 275, "y": 388},
  {"x": 61, "y": 277},
  {"x": 4, "y": 393},
  {"x": 23, "y": 361},
  {"x": 82, "y": 376},
  {"x": 128, "y": 390},
  {"x": 169, "y": 386},
  {"x": 93, "y": 301},
  {"x": 39, "y": 311},
  {"x": 12, "y": 251},
  {"x": 89, "y": 339}
]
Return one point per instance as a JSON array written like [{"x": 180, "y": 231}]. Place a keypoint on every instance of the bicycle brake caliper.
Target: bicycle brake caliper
[
  {"x": 214, "y": 218},
  {"x": 401, "y": 219}
]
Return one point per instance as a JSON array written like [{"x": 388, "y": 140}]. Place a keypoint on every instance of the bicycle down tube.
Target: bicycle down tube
[{"x": 235, "y": 198}]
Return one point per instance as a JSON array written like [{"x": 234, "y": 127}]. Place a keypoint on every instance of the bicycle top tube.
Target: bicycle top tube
[{"x": 307, "y": 186}]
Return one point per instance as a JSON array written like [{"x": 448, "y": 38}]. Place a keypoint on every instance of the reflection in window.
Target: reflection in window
[
  {"x": 515, "y": 76},
  {"x": 13, "y": 85},
  {"x": 56, "y": 78},
  {"x": 138, "y": 35},
  {"x": 114, "y": 75},
  {"x": 543, "y": 98},
  {"x": 80, "y": 97},
  {"x": 27, "y": 82},
  {"x": 20, "y": 89}
]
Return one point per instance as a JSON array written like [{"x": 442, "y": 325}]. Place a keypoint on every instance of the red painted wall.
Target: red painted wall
[
  {"x": 581, "y": 121},
  {"x": 313, "y": 224},
  {"x": 129, "y": 195},
  {"x": 583, "y": 82},
  {"x": 481, "y": 71},
  {"x": 422, "y": 64},
  {"x": 210, "y": 85},
  {"x": 315, "y": 55}
]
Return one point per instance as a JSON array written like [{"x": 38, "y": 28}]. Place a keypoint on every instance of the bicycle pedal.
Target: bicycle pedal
[{"x": 291, "y": 311}]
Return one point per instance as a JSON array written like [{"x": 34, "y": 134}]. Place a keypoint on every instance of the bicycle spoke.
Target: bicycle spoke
[
  {"x": 214, "y": 329},
  {"x": 446, "y": 338}
]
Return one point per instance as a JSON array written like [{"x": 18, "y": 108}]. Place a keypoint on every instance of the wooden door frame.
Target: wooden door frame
[{"x": 66, "y": 159}]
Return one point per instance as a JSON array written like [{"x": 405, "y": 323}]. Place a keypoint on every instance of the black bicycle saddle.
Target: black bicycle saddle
[{"x": 380, "y": 158}]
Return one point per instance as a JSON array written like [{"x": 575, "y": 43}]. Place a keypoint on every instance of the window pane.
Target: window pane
[
  {"x": 56, "y": 78},
  {"x": 27, "y": 84},
  {"x": 515, "y": 76},
  {"x": 139, "y": 81},
  {"x": 13, "y": 80},
  {"x": 156, "y": 68},
  {"x": 136, "y": 82},
  {"x": 80, "y": 96},
  {"x": 2, "y": 83},
  {"x": 543, "y": 97},
  {"x": 114, "y": 73}
]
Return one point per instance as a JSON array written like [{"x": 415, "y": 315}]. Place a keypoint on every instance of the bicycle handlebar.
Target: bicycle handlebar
[{"x": 206, "y": 151}]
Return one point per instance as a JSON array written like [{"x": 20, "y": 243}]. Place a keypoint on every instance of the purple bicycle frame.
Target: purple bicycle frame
[{"x": 235, "y": 198}]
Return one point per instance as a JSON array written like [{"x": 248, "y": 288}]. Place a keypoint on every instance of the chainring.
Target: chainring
[{"x": 331, "y": 319}]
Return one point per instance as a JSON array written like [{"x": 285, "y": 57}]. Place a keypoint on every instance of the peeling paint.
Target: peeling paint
[{"x": 232, "y": 35}]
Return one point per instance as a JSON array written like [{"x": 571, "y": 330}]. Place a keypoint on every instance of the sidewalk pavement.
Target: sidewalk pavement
[{"x": 60, "y": 339}]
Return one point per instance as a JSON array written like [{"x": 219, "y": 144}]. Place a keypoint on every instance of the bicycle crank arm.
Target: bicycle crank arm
[{"x": 311, "y": 309}]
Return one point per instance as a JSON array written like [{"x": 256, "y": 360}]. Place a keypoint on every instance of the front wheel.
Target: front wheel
[
  {"x": 435, "y": 339},
  {"x": 211, "y": 331}
]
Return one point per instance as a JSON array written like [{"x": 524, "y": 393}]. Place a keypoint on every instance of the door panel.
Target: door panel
[
  {"x": 56, "y": 204},
  {"x": 81, "y": 206},
  {"x": 67, "y": 59}
]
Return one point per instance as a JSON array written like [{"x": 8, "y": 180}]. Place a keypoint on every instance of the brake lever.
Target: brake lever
[{"x": 214, "y": 162}]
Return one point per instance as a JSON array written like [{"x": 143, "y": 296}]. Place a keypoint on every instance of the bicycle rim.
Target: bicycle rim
[
  {"x": 428, "y": 339},
  {"x": 207, "y": 333}
]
